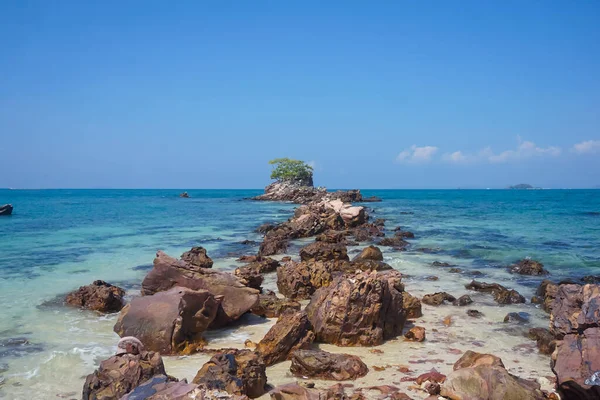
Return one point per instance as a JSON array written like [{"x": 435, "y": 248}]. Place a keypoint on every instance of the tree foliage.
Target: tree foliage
[{"x": 286, "y": 169}]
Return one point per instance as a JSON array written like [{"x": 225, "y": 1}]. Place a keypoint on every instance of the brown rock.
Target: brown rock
[
  {"x": 120, "y": 374},
  {"x": 271, "y": 306},
  {"x": 501, "y": 294},
  {"x": 323, "y": 251},
  {"x": 547, "y": 293},
  {"x": 250, "y": 277},
  {"x": 395, "y": 242},
  {"x": 463, "y": 300},
  {"x": 293, "y": 391},
  {"x": 574, "y": 309},
  {"x": 403, "y": 234},
  {"x": 272, "y": 245},
  {"x": 437, "y": 298},
  {"x": 300, "y": 280},
  {"x": 324, "y": 365},
  {"x": 483, "y": 376},
  {"x": 99, "y": 296},
  {"x": 412, "y": 305},
  {"x": 169, "y": 322},
  {"x": 291, "y": 332},
  {"x": 169, "y": 272},
  {"x": 431, "y": 376},
  {"x": 162, "y": 387},
  {"x": 372, "y": 306},
  {"x": 474, "y": 313},
  {"x": 545, "y": 340},
  {"x": 197, "y": 256},
  {"x": 576, "y": 363},
  {"x": 239, "y": 372},
  {"x": 369, "y": 253},
  {"x": 415, "y": 334},
  {"x": 528, "y": 267}
]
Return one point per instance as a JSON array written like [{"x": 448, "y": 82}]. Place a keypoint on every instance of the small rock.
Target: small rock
[
  {"x": 415, "y": 334},
  {"x": 463, "y": 300}
]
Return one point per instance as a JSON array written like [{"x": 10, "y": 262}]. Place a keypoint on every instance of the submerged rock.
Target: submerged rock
[
  {"x": 463, "y": 300},
  {"x": 517, "y": 317},
  {"x": 528, "y": 267},
  {"x": 501, "y": 294},
  {"x": 6, "y": 209},
  {"x": 238, "y": 372},
  {"x": 237, "y": 299},
  {"x": 197, "y": 256},
  {"x": 169, "y": 322},
  {"x": 372, "y": 306},
  {"x": 291, "y": 332},
  {"x": 99, "y": 296},
  {"x": 437, "y": 298},
  {"x": 324, "y": 365}
]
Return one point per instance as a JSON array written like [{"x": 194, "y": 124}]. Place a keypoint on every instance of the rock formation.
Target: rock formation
[{"x": 99, "y": 296}]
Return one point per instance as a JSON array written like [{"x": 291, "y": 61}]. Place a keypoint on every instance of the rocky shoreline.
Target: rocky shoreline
[{"x": 327, "y": 299}]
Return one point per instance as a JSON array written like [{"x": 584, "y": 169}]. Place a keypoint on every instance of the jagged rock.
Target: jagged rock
[
  {"x": 415, "y": 334},
  {"x": 372, "y": 306},
  {"x": 120, "y": 374},
  {"x": 324, "y": 365},
  {"x": 197, "y": 256},
  {"x": 170, "y": 322},
  {"x": 162, "y": 387},
  {"x": 300, "y": 280},
  {"x": 264, "y": 228},
  {"x": 545, "y": 341},
  {"x": 369, "y": 253},
  {"x": 331, "y": 237},
  {"x": 169, "y": 272},
  {"x": 576, "y": 362},
  {"x": 501, "y": 294},
  {"x": 249, "y": 276},
  {"x": 545, "y": 294},
  {"x": 528, "y": 267},
  {"x": 322, "y": 251},
  {"x": 437, "y": 299},
  {"x": 99, "y": 296},
  {"x": 574, "y": 309},
  {"x": 483, "y": 376},
  {"x": 412, "y": 305},
  {"x": 291, "y": 332},
  {"x": 296, "y": 192},
  {"x": 273, "y": 245},
  {"x": 238, "y": 372},
  {"x": 395, "y": 242},
  {"x": 463, "y": 300},
  {"x": 271, "y": 306},
  {"x": 366, "y": 232}
]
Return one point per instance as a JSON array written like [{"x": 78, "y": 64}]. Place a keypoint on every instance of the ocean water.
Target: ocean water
[{"x": 58, "y": 240}]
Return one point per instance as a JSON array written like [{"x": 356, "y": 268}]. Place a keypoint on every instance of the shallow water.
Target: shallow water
[{"x": 58, "y": 240}]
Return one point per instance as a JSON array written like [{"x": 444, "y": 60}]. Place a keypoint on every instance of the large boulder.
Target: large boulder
[
  {"x": 169, "y": 322},
  {"x": 122, "y": 373},
  {"x": 197, "y": 256},
  {"x": 300, "y": 280},
  {"x": 372, "y": 306},
  {"x": 272, "y": 245},
  {"x": 483, "y": 376},
  {"x": 249, "y": 276},
  {"x": 574, "y": 309},
  {"x": 501, "y": 294},
  {"x": 99, "y": 296},
  {"x": 237, "y": 299},
  {"x": 352, "y": 216},
  {"x": 544, "y": 339},
  {"x": 528, "y": 267},
  {"x": 271, "y": 306},
  {"x": 324, "y": 365},
  {"x": 412, "y": 305},
  {"x": 238, "y": 372},
  {"x": 291, "y": 332},
  {"x": 545, "y": 294},
  {"x": 372, "y": 253},
  {"x": 323, "y": 251},
  {"x": 576, "y": 363}
]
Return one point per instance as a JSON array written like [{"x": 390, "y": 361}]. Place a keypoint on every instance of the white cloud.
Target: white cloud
[
  {"x": 587, "y": 147},
  {"x": 524, "y": 150},
  {"x": 416, "y": 155}
]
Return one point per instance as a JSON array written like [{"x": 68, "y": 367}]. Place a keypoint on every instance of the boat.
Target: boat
[{"x": 6, "y": 209}]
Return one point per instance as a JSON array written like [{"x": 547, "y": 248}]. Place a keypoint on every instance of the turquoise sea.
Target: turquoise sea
[{"x": 58, "y": 240}]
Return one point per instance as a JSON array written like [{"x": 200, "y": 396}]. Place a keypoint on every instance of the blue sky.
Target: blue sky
[{"x": 384, "y": 94}]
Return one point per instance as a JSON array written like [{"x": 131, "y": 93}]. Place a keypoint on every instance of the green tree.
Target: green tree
[{"x": 288, "y": 170}]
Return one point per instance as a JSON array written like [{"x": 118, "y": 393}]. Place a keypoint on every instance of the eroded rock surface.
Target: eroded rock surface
[
  {"x": 324, "y": 365},
  {"x": 197, "y": 256},
  {"x": 501, "y": 294},
  {"x": 99, "y": 296}
]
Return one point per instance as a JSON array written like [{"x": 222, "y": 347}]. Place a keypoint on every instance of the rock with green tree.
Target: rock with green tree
[{"x": 292, "y": 171}]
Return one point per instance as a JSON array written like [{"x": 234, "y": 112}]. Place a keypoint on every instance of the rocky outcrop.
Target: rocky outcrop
[
  {"x": 574, "y": 309},
  {"x": 395, "y": 242},
  {"x": 6, "y": 209},
  {"x": 271, "y": 306},
  {"x": 323, "y": 251},
  {"x": 501, "y": 294},
  {"x": 324, "y": 365},
  {"x": 295, "y": 192},
  {"x": 528, "y": 267},
  {"x": 250, "y": 277},
  {"x": 238, "y": 372},
  {"x": 272, "y": 245},
  {"x": 169, "y": 322},
  {"x": 544, "y": 339},
  {"x": 372, "y": 306},
  {"x": 122, "y": 373},
  {"x": 437, "y": 299},
  {"x": 576, "y": 363},
  {"x": 299, "y": 281},
  {"x": 483, "y": 376},
  {"x": 99, "y": 296},
  {"x": 294, "y": 391},
  {"x": 162, "y": 387},
  {"x": 291, "y": 332},
  {"x": 168, "y": 272},
  {"x": 545, "y": 295},
  {"x": 463, "y": 300},
  {"x": 197, "y": 256}
]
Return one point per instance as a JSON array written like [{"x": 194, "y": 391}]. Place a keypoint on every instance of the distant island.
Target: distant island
[{"x": 522, "y": 186}]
